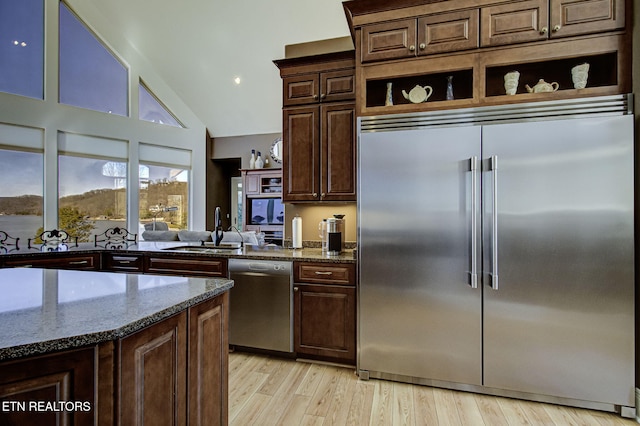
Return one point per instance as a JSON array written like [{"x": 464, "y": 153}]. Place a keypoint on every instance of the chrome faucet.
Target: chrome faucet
[{"x": 217, "y": 223}]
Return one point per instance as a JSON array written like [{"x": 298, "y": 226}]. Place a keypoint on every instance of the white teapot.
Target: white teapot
[
  {"x": 418, "y": 94},
  {"x": 542, "y": 86}
]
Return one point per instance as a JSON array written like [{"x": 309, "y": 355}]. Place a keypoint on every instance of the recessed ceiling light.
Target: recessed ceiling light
[{"x": 236, "y": 80}]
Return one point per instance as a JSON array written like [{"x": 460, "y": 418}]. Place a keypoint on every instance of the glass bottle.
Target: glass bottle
[
  {"x": 259, "y": 161},
  {"x": 450, "y": 88},
  {"x": 252, "y": 161}
]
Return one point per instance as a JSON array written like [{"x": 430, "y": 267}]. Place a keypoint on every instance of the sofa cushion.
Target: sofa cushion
[
  {"x": 185, "y": 235},
  {"x": 160, "y": 235},
  {"x": 156, "y": 226},
  {"x": 248, "y": 237}
]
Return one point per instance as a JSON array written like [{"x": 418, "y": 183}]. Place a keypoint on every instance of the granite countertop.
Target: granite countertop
[
  {"x": 45, "y": 310},
  {"x": 309, "y": 254}
]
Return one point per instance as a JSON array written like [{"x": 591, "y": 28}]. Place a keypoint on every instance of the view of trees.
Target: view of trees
[{"x": 75, "y": 223}]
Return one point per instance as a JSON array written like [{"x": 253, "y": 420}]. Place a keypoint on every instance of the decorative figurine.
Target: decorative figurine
[
  {"x": 511, "y": 82},
  {"x": 450, "y": 88},
  {"x": 389, "y": 99}
]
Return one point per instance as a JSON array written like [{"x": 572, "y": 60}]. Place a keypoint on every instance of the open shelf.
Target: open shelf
[
  {"x": 462, "y": 87},
  {"x": 602, "y": 72}
]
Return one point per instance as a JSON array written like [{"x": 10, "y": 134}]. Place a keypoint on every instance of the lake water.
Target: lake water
[{"x": 25, "y": 227}]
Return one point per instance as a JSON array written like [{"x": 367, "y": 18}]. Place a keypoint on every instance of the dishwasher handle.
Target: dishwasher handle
[{"x": 268, "y": 267}]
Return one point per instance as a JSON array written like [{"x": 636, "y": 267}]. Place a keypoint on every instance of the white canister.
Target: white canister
[{"x": 296, "y": 232}]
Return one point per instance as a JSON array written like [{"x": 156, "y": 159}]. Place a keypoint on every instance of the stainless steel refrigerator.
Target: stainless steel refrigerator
[{"x": 496, "y": 251}]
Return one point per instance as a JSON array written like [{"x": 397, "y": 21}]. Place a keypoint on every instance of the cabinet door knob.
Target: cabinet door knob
[
  {"x": 322, "y": 195},
  {"x": 412, "y": 48},
  {"x": 315, "y": 97},
  {"x": 323, "y": 96},
  {"x": 315, "y": 194},
  {"x": 423, "y": 46},
  {"x": 296, "y": 289},
  {"x": 556, "y": 28},
  {"x": 544, "y": 30}
]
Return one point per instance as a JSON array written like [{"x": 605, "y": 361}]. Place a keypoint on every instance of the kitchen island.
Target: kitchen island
[{"x": 110, "y": 348}]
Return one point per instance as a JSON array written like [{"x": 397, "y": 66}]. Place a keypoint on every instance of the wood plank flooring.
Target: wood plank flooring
[{"x": 273, "y": 391}]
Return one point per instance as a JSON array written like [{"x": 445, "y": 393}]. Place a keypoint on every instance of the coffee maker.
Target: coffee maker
[{"x": 335, "y": 234}]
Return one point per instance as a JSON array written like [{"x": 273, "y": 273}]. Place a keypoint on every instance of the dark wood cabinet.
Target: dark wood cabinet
[
  {"x": 320, "y": 153},
  {"x": 122, "y": 262},
  {"x": 448, "y": 32},
  {"x": 325, "y": 311},
  {"x": 208, "y": 359},
  {"x": 535, "y": 20},
  {"x": 175, "y": 372},
  {"x": 407, "y": 38},
  {"x": 315, "y": 87},
  {"x": 80, "y": 261},
  {"x": 514, "y": 22},
  {"x": 27, "y": 385},
  {"x": 574, "y": 17},
  {"x": 153, "y": 382},
  {"x": 389, "y": 40},
  {"x": 319, "y": 128},
  {"x": 474, "y": 44},
  {"x": 185, "y": 265}
]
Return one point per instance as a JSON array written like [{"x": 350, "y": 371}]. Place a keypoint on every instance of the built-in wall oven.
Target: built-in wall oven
[{"x": 261, "y": 304}]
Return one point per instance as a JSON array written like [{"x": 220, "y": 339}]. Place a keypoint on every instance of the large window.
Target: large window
[
  {"x": 150, "y": 109},
  {"x": 21, "y": 200},
  {"x": 164, "y": 193},
  {"x": 22, "y": 47},
  {"x": 92, "y": 189},
  {"x": 75, "y": 169},
  {"x": 90, "y": 76},
  {"x": 164, "y": 198}
]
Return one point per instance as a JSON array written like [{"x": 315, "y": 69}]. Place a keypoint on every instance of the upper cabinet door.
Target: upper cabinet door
[
  {"x": 338, "y": 152},
  {"x": 573, "y": 17},
  {"x": 301, "y": 89},
  {"x": 301, "y": 157},
  {"x": 389, "y": 40},
  {"x": 337, "y": 85},
  {"x": 514, "y": 23},
  {"x": 448, "y": 32}
]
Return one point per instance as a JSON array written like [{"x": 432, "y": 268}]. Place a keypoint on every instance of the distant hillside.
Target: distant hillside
[
  {"x": 23, "y": 205},
  {"x": 101, "y": 202}
]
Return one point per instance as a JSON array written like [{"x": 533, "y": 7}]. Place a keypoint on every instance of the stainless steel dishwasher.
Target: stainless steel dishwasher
[{"x": 261, "y": 304}]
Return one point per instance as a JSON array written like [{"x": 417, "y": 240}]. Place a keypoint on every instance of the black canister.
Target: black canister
[{"x": 334, "y": 237}]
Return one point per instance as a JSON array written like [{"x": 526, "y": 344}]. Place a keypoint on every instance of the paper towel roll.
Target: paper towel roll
[{"x": 296, "y": 232}]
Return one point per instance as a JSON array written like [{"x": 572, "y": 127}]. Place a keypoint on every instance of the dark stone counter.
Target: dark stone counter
[{"x": 46, "y": 310}]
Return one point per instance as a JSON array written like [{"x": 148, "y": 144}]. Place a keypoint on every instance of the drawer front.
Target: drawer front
[
  {"x": 82, "y": 262},
  {"x": 448, "y": 32},
  {"x": 389, "y": 40},
  {"x": 123, "y": 262},
  {"x": 325, "y": 273},
  {"x": 186, "y": 266}
]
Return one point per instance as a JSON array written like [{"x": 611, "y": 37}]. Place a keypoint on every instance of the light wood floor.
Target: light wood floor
[{"x": 274, "y": 391}]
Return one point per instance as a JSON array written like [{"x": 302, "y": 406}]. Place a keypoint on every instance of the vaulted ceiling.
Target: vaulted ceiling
[{"x": 198, "y": 47}]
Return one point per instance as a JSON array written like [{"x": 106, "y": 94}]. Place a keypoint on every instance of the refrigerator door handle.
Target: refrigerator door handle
[
  {"x": 474, "y": 222},
  {"x": 493, "y": 166}
]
